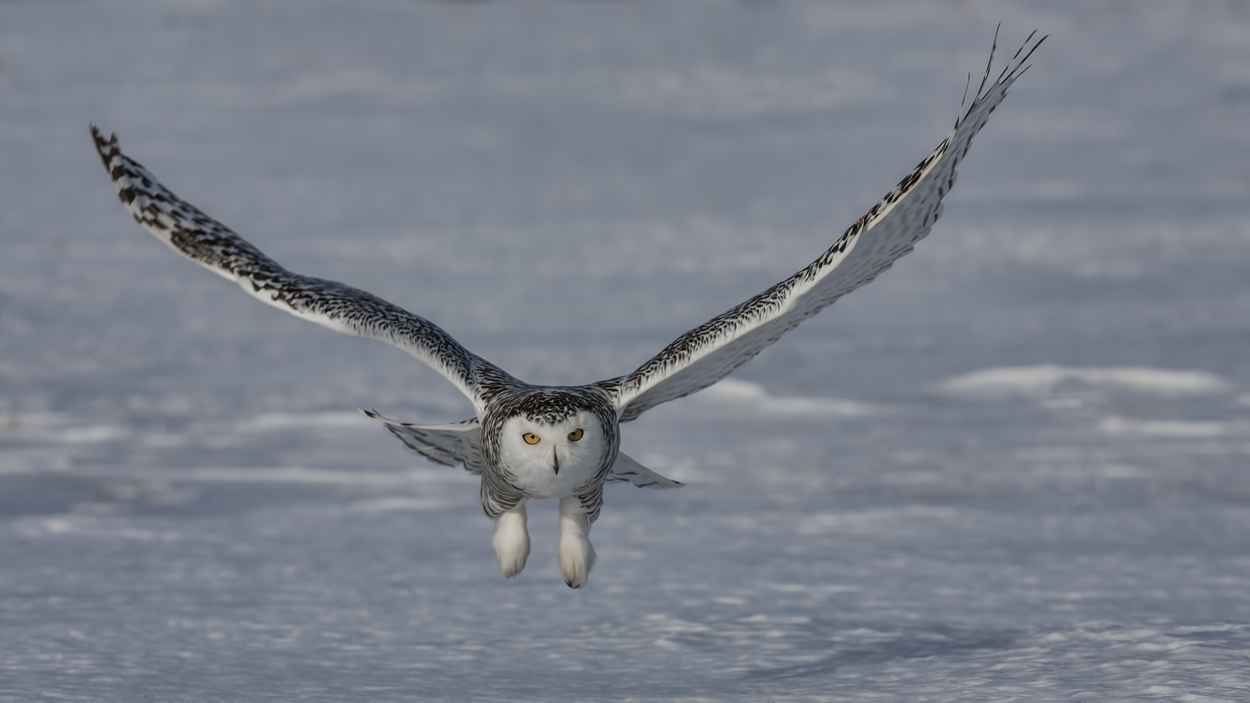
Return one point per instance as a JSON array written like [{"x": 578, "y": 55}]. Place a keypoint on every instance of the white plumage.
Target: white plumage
[{"x": 530, "y": 441}]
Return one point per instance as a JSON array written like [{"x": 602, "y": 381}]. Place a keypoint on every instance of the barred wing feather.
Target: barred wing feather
[
  {"x": 708, "y": 353},
  {"x": 451, "y": 444},
  {"x": 626, "y": 468},
  {"x": 341, "y": 308}
]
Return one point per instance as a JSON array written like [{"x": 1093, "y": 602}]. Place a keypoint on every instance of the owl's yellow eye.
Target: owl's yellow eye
[
  {"x": 576, "y": 434},
  {"x": 530, "y": 438}
]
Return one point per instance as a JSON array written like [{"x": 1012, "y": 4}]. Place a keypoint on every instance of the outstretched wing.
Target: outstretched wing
[
  {"x": 341, "y": 308},
  {"x": 708, "y": 353},
  {"x": 456, "y": 443}
]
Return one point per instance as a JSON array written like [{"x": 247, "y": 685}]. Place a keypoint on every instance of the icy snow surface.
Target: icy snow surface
[{"x": 1013, "y": 468}]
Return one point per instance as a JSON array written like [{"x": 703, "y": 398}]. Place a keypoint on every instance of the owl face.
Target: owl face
[
  {"x": 554, "y": 448},
  {"x": 551, "y": 459}
]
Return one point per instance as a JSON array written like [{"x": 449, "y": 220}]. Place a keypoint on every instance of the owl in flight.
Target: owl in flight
[{"x": 528, "y": 441}]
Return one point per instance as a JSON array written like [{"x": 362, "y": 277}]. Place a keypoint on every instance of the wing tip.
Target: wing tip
[
  {"x": 108, "y": 149},
  {"x": 373, "y": 414},
  {"x": 1015, "y": 67}
]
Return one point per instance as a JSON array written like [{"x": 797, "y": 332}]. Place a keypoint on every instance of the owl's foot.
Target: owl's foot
[
  {"x": 511, "y": 541},
  {"x": 577, "y": 556}
]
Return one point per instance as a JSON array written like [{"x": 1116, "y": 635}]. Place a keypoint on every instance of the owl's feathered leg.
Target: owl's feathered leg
[
  {"x": 511, "y": 541},
  {"x": 577, "y": 556}
]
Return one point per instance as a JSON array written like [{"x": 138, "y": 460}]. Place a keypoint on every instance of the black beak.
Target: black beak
[{"x": 556, "y": 458}]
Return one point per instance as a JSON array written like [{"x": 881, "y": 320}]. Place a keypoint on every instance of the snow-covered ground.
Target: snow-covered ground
[{"x": 1013, "y": 468}]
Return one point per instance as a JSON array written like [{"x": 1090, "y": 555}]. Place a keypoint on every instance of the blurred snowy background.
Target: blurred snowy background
[{"x": 1013, "y": 468}]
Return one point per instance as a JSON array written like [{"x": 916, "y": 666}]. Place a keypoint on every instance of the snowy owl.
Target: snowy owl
[{"x": 529, "y": 441}]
